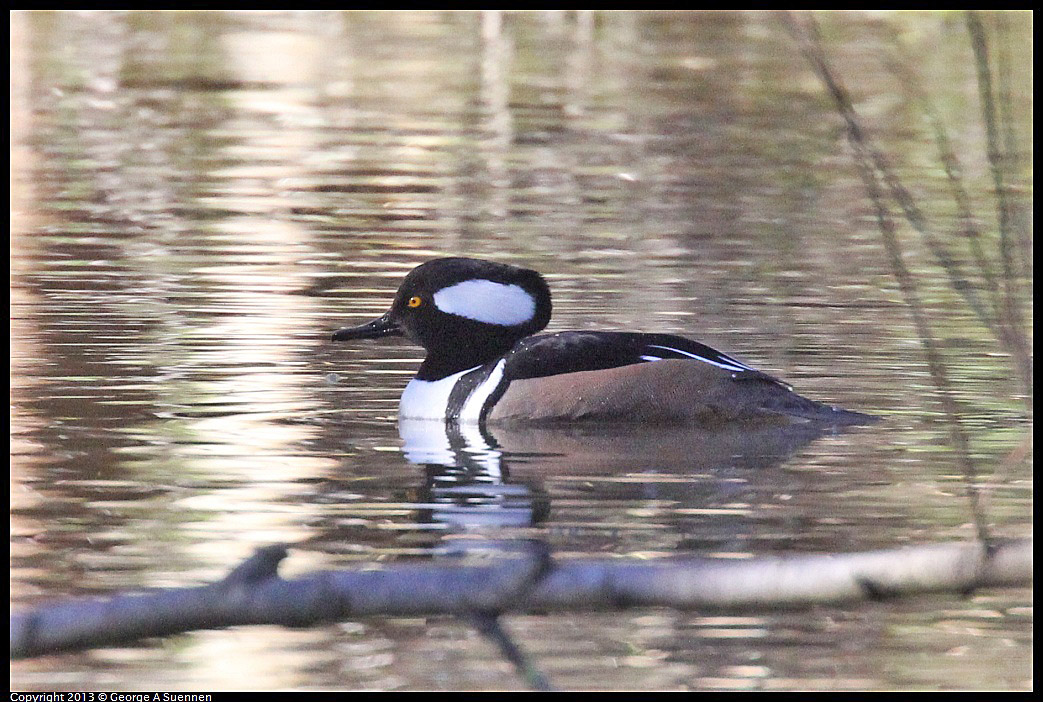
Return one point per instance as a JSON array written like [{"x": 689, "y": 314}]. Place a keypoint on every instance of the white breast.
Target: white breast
[{"x": 429, "y": 399}]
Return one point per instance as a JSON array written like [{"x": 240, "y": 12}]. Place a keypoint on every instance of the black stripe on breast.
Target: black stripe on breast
[{"x": 470, "y": 382}]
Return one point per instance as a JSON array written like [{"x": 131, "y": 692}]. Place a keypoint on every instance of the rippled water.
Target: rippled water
[{"x": 200, "y": 199}]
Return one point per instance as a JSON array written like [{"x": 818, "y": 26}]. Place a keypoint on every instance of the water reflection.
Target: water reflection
[{"x": 481, "y": 478}]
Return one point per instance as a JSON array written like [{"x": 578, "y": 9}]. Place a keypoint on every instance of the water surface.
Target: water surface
[{"x": 199, "y": 199}]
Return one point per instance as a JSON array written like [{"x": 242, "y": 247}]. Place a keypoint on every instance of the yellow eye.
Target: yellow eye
[{"x": 414, "y": 301}]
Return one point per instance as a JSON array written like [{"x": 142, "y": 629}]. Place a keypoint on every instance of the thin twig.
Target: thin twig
[
  {"x": 874, "y": 171},
  {"x": 490, "y": 626},
  {"x": 998, "y": 165}
]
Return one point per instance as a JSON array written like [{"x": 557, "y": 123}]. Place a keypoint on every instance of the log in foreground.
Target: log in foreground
[{"x": 253, "y": 593}]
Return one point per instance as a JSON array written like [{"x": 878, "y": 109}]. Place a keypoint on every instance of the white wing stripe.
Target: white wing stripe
[{"x": 728, "y": 364}]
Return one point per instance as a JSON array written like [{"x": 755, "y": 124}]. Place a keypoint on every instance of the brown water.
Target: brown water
[{"x": 200, "y": 199}]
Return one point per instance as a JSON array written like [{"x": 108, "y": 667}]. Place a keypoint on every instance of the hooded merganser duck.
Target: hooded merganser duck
[{"x": 477, "y": 320}]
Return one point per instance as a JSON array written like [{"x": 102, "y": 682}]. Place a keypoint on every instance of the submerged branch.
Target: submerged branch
[{"x": 255, "y": 594}]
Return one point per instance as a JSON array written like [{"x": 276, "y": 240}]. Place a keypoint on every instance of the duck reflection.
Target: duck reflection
[{"x": 479, "y": 477}]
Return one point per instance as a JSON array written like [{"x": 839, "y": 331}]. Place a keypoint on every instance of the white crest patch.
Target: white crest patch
[{"x": 486, "y": 301}]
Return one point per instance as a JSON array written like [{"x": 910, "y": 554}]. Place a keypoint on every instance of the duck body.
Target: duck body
[{"x": 478, "y": 320}]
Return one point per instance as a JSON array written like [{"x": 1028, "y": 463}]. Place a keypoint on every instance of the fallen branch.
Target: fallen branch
[{"x": 253, "y": 593}]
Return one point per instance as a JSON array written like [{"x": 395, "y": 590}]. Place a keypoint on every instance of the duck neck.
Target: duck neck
[{"x": 464, "y": 357}]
